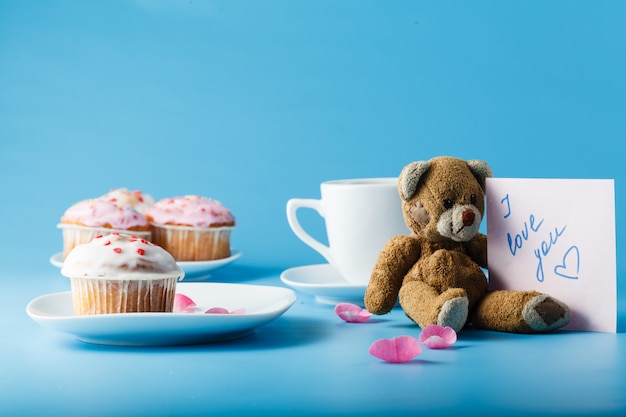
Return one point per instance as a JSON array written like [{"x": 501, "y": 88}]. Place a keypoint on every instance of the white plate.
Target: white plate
[
  {"x": 194, "y": 270},
  {"x": 262, "y": 304},
  {"x": 325, "y": 283}
]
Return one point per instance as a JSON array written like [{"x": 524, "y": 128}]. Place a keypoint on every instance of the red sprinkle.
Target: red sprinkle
[
  {"x": 98, "y": 237},
  {"x": 144, "y": 241},
  {"x": 141, "y": 251},
  {"x": 117, "y": 250},
  {"x": 107, "y": 242},
  {"x": 115, "y": 233}
]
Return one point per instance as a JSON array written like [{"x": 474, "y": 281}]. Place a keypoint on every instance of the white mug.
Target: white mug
[{"x": 360, "y": 215}]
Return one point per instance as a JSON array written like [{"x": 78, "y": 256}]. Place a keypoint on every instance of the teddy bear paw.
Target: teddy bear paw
[
  {"x": 454, "y": 313},
  {"x": 544, "y": 314}
]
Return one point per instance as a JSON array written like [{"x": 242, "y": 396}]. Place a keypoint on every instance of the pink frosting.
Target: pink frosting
[
  {"x": 139, "y": 200},
  {"x": 190, "y": 210},
  {"x": 98, "y": 212}
]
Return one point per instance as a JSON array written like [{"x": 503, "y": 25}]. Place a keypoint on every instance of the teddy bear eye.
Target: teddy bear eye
[
  {"x": 473, "y": 198},
  {"x": 447, "y": 203}
]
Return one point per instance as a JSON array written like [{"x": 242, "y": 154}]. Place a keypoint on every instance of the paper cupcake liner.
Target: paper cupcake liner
[
  {"x": 74, "y": 235},
  {"x": 193, "y": 244},
  {"x": 102, "y": 296}
]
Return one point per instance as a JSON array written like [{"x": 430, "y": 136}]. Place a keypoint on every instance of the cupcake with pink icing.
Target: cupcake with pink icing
[
  {"x": 88, "y": 218},
  {"x": 137, "y": 199},
  {"x": 192, "y": 228},
  {"x": 120, "y": 273}
]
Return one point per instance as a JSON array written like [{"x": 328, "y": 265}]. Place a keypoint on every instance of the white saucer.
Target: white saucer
[
  {"x": 262, "y": 304},
  {"x": 199, "y": 270},
  {"x": 325, "y": 283},
  {"x": 194, "y": 270}
]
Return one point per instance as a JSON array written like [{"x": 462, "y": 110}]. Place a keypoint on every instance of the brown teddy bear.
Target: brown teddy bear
[{"x": 437, "y": 271}]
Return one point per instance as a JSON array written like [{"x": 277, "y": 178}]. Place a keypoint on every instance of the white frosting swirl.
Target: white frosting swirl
[{"x": 120, "y": 256}]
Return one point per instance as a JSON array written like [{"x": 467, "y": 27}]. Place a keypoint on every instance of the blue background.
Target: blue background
[{"x": 253, "y": 103}]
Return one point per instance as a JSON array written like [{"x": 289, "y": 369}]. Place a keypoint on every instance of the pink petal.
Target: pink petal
[
  {"x": 437, "y": 337},
  {"x": 352, "y": 313},
  {"x": 183, "y": 304},
  {"x": 220, "y": 310},
  {"x": 217, "y": 310},
  {"x": 396, "y": 350}
]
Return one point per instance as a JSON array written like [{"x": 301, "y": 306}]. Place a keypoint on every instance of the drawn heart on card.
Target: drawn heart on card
[{"x": 571, "y": 264}]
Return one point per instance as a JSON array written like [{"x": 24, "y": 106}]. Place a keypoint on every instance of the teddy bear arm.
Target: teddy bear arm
[
  {"x": 477, "y": 249},
  {"x": 392, "y": 264}
]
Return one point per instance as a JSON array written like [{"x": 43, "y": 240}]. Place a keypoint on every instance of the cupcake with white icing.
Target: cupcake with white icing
[
  {"x": 192, "y": 228},
  {"x": 88, "y": 218},
  {"x": 120, "y": 273}
]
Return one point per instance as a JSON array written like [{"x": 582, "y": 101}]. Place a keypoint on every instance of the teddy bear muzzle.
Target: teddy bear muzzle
[{"x": 460, "y": 223}]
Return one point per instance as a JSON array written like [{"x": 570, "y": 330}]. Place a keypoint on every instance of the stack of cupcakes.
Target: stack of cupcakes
[{"x": 120, "y": 250}]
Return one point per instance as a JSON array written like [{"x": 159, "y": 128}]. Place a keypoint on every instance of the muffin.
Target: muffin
[
  {"x": 137, "y": 199},
  {"x": 191, "y": 228},
  {"x": 120, "y": 273},
  {"x": 88, "y": 218}
]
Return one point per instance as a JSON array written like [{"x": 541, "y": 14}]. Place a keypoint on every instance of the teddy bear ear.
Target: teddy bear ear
[
  {"x": 410, "y": 177},
  {"x": 481, "y": 171}
]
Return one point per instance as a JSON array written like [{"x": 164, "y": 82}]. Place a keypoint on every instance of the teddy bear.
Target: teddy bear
[{"x": 437, "y": 272}]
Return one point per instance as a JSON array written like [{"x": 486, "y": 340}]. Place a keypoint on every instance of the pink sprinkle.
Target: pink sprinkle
[{"x": 117, "y": 250}]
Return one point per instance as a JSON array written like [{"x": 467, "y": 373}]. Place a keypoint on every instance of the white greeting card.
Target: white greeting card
[{"x": 556, "y": 236}]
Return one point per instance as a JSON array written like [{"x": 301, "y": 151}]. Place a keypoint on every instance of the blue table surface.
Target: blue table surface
[
  {"x": 253, "y": 103},
  {"x": 306, "y": 362}
]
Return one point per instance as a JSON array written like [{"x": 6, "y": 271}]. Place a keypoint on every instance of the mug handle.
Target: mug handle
[{"x": 292, "y": 207}]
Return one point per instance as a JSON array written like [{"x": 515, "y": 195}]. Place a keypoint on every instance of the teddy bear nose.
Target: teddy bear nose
[{"x": 468, "y": 217}]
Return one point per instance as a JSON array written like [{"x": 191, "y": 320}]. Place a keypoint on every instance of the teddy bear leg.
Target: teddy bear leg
[
  {"x": 425, "y": 306},
  {"x": 520, "y": 312}
]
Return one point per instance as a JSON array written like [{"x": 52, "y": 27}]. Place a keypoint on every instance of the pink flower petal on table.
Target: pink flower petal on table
[
  {"x": 220, "y": 310},
  {"x": 183, "y": 304},
  {"x": 352, "y": 313},
  {"x": 396, "y": 350},
  {"x": 437, "y": 337}
]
